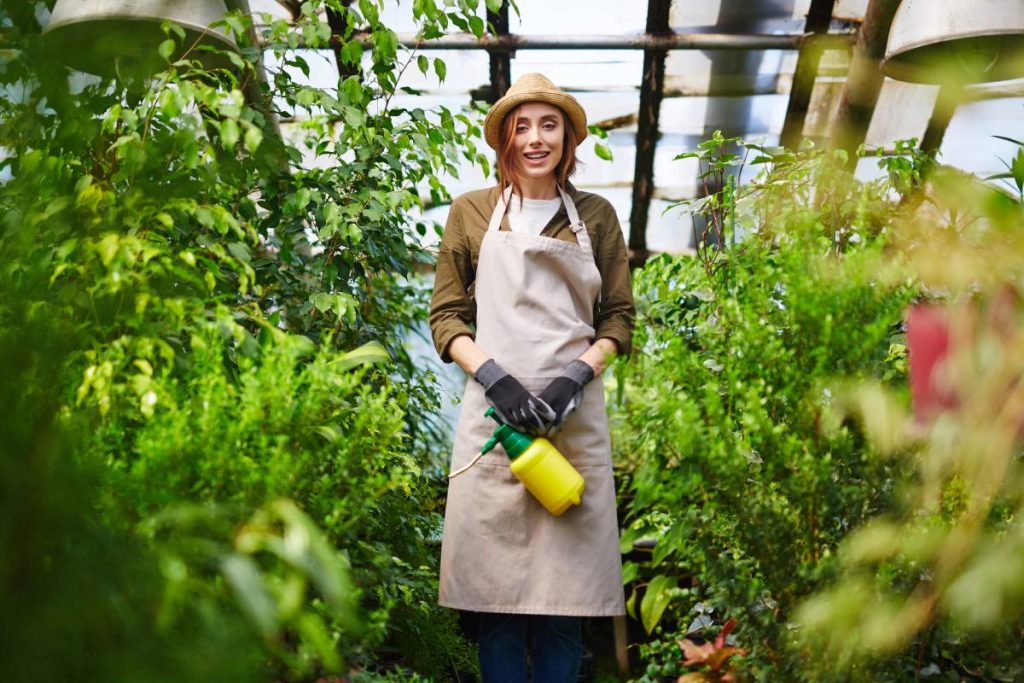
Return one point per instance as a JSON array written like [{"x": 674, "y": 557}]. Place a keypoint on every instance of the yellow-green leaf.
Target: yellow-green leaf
[
  {"x": 165, "y": 49},
  {"x": 370, "y": 352},
  {"x": 656, "y": 599}
]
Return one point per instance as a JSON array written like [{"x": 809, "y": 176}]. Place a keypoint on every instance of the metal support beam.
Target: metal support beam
[
  {"x": 675, "y": 41},
  {"x": 818, "y": 19},
  {"x": 652, "y": 87},
  {"x": 501, "y": 60},
  {"x": 860, "y": 93}
]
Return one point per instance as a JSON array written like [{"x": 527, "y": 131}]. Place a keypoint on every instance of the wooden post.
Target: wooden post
[
  {"x": 501, "y": 62},
  {"x": 949, "y": 97},
  {"x": 339, "y": 25},
  {"x": 860, "y": 93},
  {"x": 651, "y": 91},
  {"x": 819, "y": 17}
]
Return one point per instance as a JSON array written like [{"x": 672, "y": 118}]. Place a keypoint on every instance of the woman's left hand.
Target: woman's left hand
[{"x": 565, "y": 392}]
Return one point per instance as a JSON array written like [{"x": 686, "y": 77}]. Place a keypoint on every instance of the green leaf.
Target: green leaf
[
  {"x": 253, "y": 138},
  {"x": 314, "y": 632},
  {"x": 440, "y": 69},
  {"x": 236, "y": 59},
  {"x": 176, "y": 29},
  {"x": 631, "y": 604},
  {"x": 229, "y": 133},
  {"x": 368, "y": 353},
  {"x": 235, "y": 24},
  {"x": 240, "y": 251},
  {"x": 352, "y": 52},
  {"x": 656, "y": 599},
  {"x": 603, "y": 152},
  {"x": 243, "y": 575},
  {"x": 323, "y": 32},
  {"x": 1017, "y": 168},
  {"x": 166, "y": 48},
  {"x": 306, "y": 549},
  {"x": 423, "y": 63},
  {"x": 476, "y": 26},
  {"x": 1008, "y": 139}
]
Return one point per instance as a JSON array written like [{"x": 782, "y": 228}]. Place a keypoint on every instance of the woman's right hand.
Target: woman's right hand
[{"x": 516, "y": 406}]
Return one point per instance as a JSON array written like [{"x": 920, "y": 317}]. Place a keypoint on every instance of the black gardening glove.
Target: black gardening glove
[
  {"x": 516, "y": 406},
  {"x": 565, "y": 393}
]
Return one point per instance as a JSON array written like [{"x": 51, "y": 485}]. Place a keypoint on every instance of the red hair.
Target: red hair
[{"x": 508, "y": 172}]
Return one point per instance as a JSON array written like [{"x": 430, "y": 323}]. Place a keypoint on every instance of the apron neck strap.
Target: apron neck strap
[
  {"x": 579, "y": 228},
  {"x": 499, "y": 209}
]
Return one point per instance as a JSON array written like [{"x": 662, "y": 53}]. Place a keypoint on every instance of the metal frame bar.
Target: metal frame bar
[
  {"x": 675, "y": 41},
  {"x": 651, "y": 91},
  {"x": 819, "y": 17}
]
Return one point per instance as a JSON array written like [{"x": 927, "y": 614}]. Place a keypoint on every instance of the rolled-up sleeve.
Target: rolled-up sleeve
[
  {"x": 452, "y": 310},
  {"x": 616, "y": 313}
]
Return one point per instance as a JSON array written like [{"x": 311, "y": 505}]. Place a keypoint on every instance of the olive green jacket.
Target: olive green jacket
[{"x": 453, "y": 307}]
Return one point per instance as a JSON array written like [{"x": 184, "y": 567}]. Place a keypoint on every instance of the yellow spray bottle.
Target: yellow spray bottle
[{"x": 537, "y": 463}]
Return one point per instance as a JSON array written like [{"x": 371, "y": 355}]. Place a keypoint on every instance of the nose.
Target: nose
[{"x": 533, "y": 136}]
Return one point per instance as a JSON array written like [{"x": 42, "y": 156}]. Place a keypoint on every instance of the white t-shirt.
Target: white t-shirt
[{"x": 533, "y": 215}]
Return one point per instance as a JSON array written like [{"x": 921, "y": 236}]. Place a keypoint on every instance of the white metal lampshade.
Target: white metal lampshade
[
  {"x": 943, "y": 41},
  {"x": 121, "y": 37}
]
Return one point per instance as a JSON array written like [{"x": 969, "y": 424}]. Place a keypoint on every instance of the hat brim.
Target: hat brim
[{"x": 567, "y": 103}]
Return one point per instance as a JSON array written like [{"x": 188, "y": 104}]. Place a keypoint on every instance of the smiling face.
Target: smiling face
[
  {"x": 538, "y": 140},
  {"x": 537, "y": 150}
]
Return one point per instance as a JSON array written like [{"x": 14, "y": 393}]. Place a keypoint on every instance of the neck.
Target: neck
[{"x": 539, "y": 188}]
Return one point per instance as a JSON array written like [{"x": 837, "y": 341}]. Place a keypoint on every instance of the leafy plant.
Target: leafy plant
[
  {"x": 210, "y": 280},
  {"x": 740, "y": 354},
  {"x": 714, "y": 655},
  {"x": 938, "y": 573}
]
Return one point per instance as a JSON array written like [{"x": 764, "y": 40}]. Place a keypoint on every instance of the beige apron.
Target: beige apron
[{"x": 502, "y": 551}]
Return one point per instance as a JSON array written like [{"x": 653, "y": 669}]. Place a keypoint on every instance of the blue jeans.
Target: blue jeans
[{"x": 555, "y": 646}]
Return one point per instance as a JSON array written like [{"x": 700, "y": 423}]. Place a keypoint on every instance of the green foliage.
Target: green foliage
[
  {"x": 206, "y": 279},
  {"x": 81, "y": 597},
  {"x": 294, "y": 423},
  {"x": 784, "y": 480},
  {"x": 719, "y": 429},
  {"x": 940, "y": 573}
]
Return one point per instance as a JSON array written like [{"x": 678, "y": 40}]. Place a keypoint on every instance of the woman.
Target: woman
[{"x": 532, "y": 298}]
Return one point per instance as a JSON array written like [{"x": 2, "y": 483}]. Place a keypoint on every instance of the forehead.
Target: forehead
[{"x": 538, "y": 110}]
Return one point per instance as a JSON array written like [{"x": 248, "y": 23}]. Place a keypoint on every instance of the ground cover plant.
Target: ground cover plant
[
  {"x": 738, "y": 454},
  {"x": 211, "y": 327}
]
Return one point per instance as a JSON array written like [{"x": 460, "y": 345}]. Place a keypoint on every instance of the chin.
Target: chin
[{"x": 539, "y": 173}]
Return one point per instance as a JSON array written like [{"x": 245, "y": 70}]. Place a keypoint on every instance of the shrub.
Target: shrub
[
  {"x": 206, "y": 282},
  {"x": 740, "y": 352}
]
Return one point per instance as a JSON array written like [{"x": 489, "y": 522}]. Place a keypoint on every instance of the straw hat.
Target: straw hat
[{"x": 534, "y": 88}]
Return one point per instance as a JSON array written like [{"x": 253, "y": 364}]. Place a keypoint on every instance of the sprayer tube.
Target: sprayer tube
[{"x": 471, "y": 463}]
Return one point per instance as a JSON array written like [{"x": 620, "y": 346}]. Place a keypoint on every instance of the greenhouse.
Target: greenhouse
[{"x": 449, "y": 340}]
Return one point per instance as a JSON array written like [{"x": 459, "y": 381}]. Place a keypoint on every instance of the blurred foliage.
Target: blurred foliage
[
  {"x": 189, "y": 303},
  {"x": 939, "y": 576},
  {"x": 735, "y": 455}
]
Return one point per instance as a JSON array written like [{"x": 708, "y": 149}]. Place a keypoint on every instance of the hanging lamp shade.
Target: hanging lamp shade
[
  {"x": 121, "y": 37},
  {"x": 956, "y": 41}
]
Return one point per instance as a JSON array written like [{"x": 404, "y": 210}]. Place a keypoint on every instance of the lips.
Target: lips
[{"x": 536, "y": 157}]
